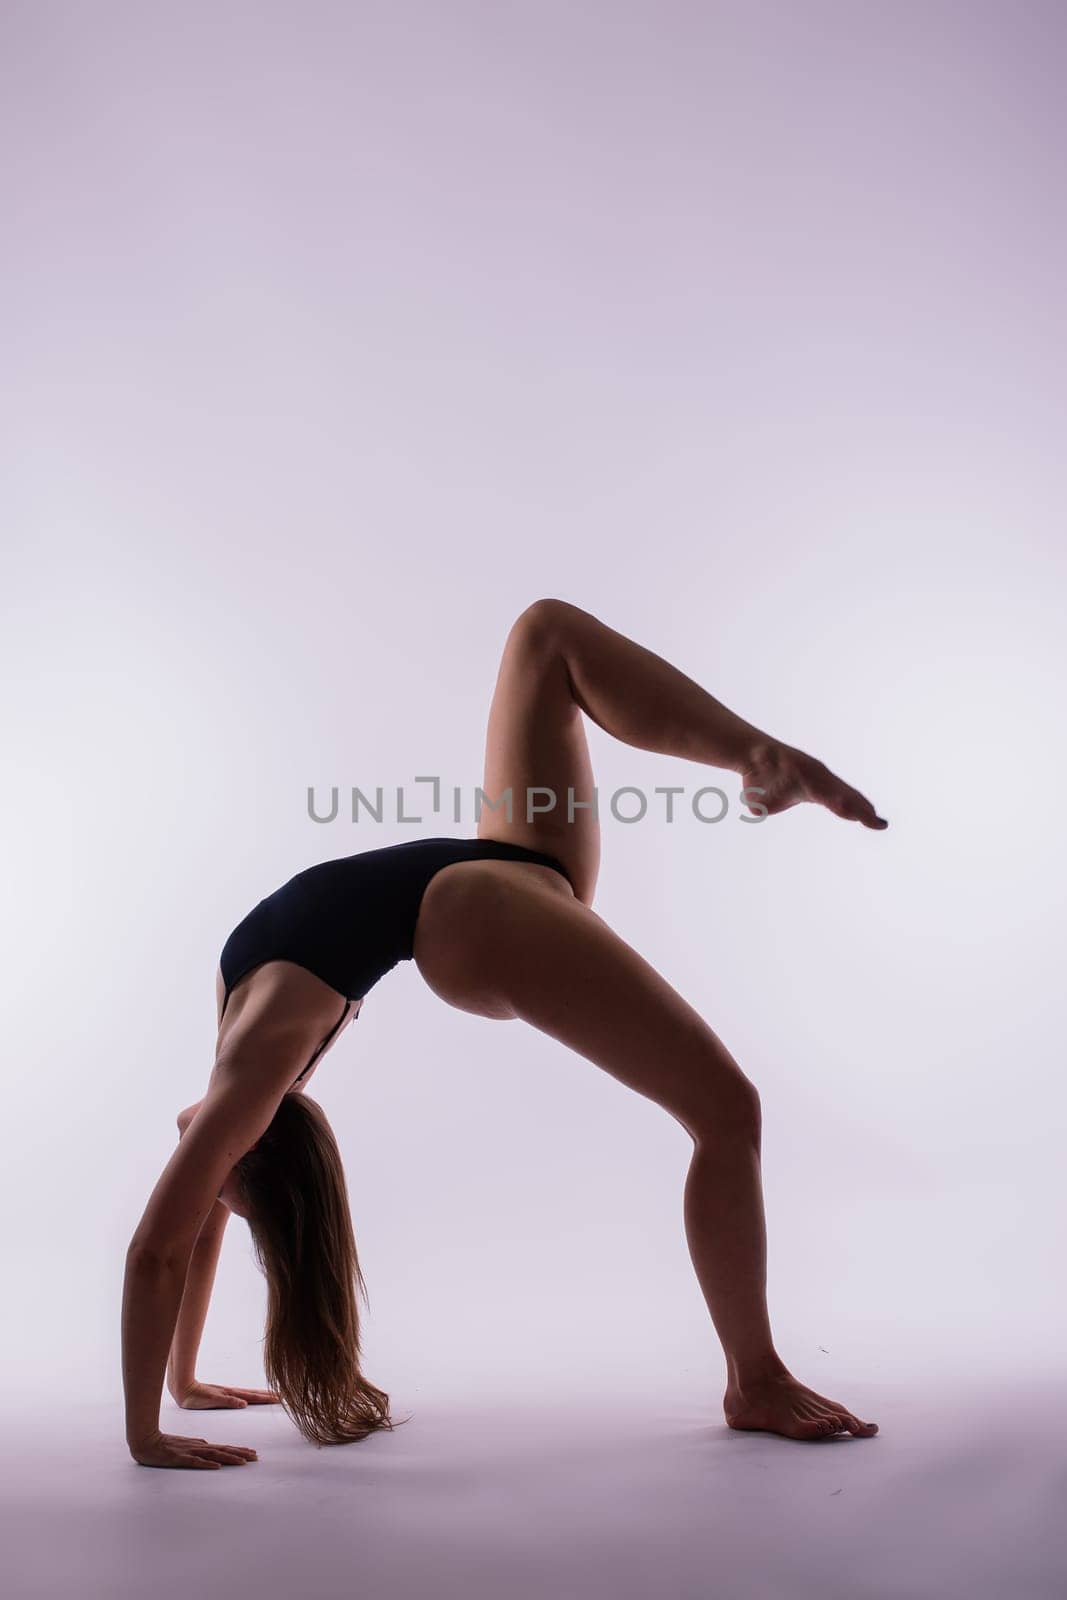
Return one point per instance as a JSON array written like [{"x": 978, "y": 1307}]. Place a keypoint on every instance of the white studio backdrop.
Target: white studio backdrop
[{"x": 334, "y": 338}]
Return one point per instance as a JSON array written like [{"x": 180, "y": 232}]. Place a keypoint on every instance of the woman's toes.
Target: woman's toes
[{"x": 810, "y": 1429}]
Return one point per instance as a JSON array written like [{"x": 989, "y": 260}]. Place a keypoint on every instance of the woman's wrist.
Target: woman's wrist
[
  {"x": 140, "y": 1430},
  {"x": 178, "y": 1383}
]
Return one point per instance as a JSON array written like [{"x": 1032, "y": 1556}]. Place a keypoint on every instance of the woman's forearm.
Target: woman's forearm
[
  {"x": 199, "y": 1282},
  {"x": 151, "y": 1295}
]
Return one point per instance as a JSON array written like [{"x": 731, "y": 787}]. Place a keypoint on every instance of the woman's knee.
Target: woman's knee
[
  {"x": 542, "y": 627},
  {"x": 724, "y": 1103}
]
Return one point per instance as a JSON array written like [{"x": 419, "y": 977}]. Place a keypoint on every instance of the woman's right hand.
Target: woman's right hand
[{"x": 175, "y": 1450}]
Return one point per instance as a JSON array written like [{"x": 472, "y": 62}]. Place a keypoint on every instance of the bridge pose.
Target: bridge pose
[{"x": 503, "y": 926}]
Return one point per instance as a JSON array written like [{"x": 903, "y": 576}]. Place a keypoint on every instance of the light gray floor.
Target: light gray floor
[{"x": 962, "y": 1494}]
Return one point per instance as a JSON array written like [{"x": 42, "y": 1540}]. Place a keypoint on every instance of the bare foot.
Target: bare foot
[
  {"x": 784, "y": 777},
  {"x": 783, "y": 1405}
]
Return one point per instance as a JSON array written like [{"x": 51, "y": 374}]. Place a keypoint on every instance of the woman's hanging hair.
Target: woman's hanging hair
[{"x": 294, "y": 1191}]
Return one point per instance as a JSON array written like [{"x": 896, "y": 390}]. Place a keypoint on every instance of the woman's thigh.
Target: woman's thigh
[
  {"x": 502, "y": 950},
  {"x": 536, "y": 751}
]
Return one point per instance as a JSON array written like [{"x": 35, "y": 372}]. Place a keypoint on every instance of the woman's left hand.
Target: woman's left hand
[{"x": 199, "y": 1396}]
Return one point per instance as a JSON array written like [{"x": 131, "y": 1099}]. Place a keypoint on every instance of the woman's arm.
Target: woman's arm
[
  {"x": 199, "y": 1282},
  {"x": 236, "y": 1111}
]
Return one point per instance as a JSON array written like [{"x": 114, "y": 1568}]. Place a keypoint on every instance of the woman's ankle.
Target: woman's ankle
[{"x": 750, "y": 1371}]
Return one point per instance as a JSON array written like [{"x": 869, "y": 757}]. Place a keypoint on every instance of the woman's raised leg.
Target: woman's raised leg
[{"x": 560, "y": 661}]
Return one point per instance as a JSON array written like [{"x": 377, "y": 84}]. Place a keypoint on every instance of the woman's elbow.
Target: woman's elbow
[{"x": 150, "y": 1255}]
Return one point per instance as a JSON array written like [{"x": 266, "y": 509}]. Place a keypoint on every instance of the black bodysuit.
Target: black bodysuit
[{"x": 349, "y": 921}]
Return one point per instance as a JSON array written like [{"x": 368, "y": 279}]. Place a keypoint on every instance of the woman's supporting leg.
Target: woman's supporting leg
[
  {"x": 559, "y": 661},
  {"x": 494, "y": 941}
]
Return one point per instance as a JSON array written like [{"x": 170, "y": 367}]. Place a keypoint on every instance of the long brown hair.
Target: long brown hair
[{"x": 293, "y": 1187}]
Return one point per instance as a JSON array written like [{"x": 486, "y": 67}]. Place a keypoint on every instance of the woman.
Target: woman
[{"x": 501, "y": 926}]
